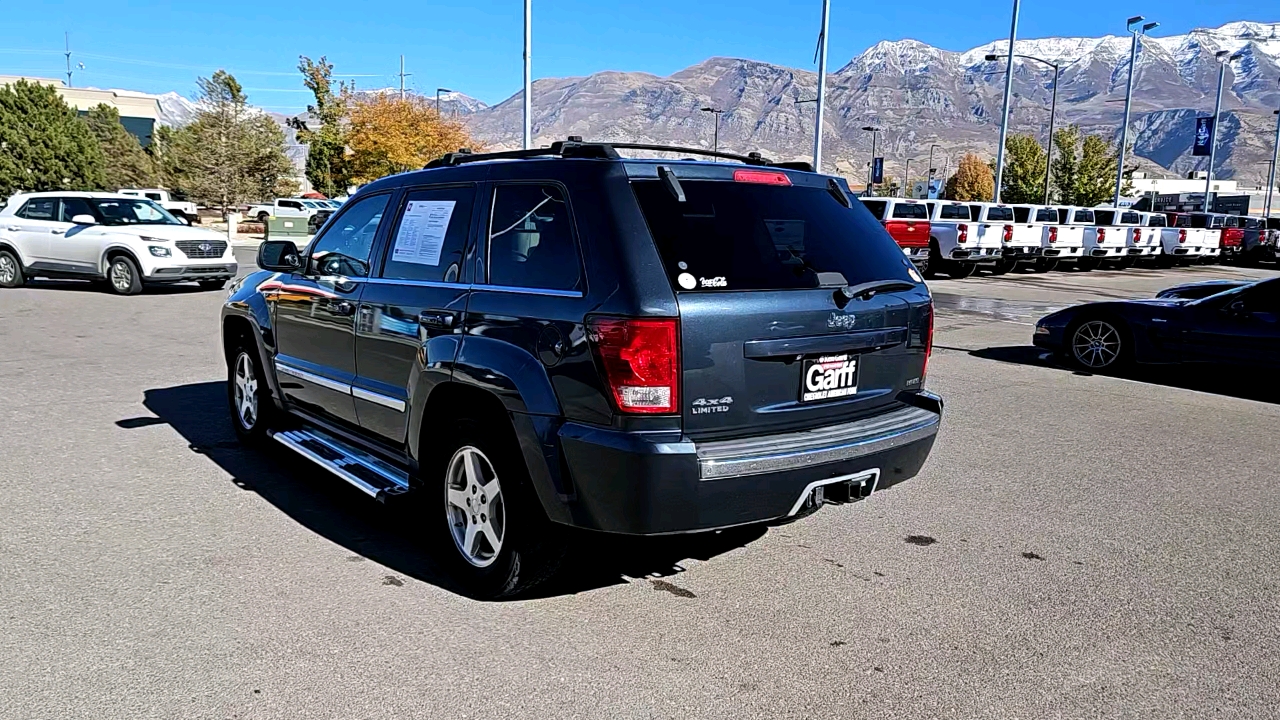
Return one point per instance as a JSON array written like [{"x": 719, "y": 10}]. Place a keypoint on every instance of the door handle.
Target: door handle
[
  {"x": 13, "y": 228},
  {"x": 56, "y": 231},
  {"x": 342, "y": 307},
  {"x": 438, "y": 320}
]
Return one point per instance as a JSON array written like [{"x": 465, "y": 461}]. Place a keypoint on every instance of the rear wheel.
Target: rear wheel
[
  {"x": 1044, "y": 265},
  {"x": 961, "y": 270},
  {"x": 1097, "y": 344},
  {"x": 1086, "y": 264},
  {"x": 123, "y": 277},
  {"x": 935, "y": 261},
  {"x": 493, "y": 535},
  {"x": 262, "y": 217},
  {"x": 10, "y": 270},
  {"x": 1001, "y": 267}
]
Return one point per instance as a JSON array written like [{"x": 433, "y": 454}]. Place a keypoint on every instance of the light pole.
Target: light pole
[
  {"x": 1223, "y": 61},
  {"x": 822, "y": 87},
  {"x": 1128, "y": 95},
  {"x": 1275, "y": 157},
  {"x": 528, "y": 74},
  {"x": 871, "y": 165},
  {"x": 1008, "y": 90},
  {"x": 438, "y": 91},
  {"x": 1053, "y": 113},
  {"x": 906, "y": 177},
  {"x": 715, "y": 147}
]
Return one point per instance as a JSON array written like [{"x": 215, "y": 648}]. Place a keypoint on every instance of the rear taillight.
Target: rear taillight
[
  {"x": 641, "y": 359},
  {"x": 1008, "y": 233},
  {"x": 1182, "y": 236},
  {"x": 964, "y": 234},
  {"x": 928, "y": 344},
  {"x": 1137, "y": 235},
  {"x": 1232, "y": 237},
  {"x": 1102, "y": 234},
  {"x": 1053, "y": 234},
  {"x": 763, "y": 177}
]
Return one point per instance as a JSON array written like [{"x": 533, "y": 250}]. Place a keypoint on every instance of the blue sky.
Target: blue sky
[{"x": 475, "y": 47}]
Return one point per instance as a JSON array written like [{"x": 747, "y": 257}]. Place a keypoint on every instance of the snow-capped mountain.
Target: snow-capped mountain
[{"x": 176, "y": 110}]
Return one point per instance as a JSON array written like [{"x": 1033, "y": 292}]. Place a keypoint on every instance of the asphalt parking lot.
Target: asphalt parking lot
[{"x": 1077, "y": 546}]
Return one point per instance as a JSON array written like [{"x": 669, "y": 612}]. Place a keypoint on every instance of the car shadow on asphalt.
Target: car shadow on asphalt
[
  {"x": 387, "y": 534},
  {"x": 100, "y": 288},
  {"x": 1208, "y": 379}
]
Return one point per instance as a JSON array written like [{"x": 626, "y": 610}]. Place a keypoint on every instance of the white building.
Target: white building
[{"x": 139, "y": 112}]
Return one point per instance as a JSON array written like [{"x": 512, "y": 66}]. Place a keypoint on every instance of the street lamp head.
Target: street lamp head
[
  {"x": 1221, "y": 54},
  {"x": 1133, "y": 21},
  {"x": 439, "y": 90},
  {"x": 870, "y": 128},
  {"x": 992, "y": 58},
  {"x": 1150, "y": 26}
]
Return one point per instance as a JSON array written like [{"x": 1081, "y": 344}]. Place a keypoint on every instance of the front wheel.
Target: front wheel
[
  {"x": 1097, "y": 345},
  {"x": 10, "y": 270},
  {"x": 123, "y": 276},
  {"x": 212, "y": 284},
  {"x": 247, "y": 395},
  {"x": 496, "y": 541}
]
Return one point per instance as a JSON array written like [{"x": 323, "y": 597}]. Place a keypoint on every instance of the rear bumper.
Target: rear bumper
[
  {"x": 976, "y": 254},
  {"x": 1022, "y": 252},
  {"x": 647, "y": 484}
]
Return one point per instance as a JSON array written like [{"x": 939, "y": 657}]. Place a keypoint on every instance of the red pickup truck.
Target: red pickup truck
[{"x": 907, "y": 222}]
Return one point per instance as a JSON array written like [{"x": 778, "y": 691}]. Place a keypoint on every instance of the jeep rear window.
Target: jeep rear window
[
  {"x": 731, "y": 236},
  {"x": 910, "y": 211},
  {"x": 954, "y": 212},
  {"x": 1000, "y": 214}
]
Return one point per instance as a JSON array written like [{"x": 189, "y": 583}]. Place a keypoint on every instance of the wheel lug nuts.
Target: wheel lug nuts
[
  {"x": 473, "y": 519},
  {"x": 483, "y": 518}
]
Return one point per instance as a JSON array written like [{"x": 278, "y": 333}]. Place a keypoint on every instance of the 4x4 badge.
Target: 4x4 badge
[{"x": 704, "y": 406}]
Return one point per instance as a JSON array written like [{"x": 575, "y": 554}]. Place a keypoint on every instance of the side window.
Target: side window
[
  {"x": 154, "y": 196},
  {"x": 531, "y": 239},
  {"x": 1046, "y": 215},
  {"x": 39, "y": 209},
  {"x": 877, "y": 207},
  {"x": 291, "y": 204},
  {"x": 344, "y": 247},
  {"x": 429, "y": 238},
  {"x": 1020, "y": 214},
  {"x": 74, "y": 206},
  {"x": 977, "y": 212}
]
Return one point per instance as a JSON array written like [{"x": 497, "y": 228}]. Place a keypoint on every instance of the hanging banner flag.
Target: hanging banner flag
[
  {"x": 1204, "y": 136},
  {"x": 877, "y": 170}
]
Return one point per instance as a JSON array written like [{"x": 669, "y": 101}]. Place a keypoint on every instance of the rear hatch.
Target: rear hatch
[
  {"x": 770, "y": 340},
  {"x": 908, "y": 223}
]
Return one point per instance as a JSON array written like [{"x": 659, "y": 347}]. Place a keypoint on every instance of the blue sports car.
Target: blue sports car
[{"x": 1238, "y": 326}]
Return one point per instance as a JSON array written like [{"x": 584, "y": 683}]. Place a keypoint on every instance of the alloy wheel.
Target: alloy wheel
[
  {"x": 246, "y": 392},
  {"x": 121, "y": 276},
  {"x": 1096, "y": 344},
  {"x": 475, "y": 506},
  {"x": 8, "y": 271}
]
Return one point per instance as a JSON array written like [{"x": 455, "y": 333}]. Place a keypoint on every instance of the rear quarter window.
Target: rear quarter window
[
  {"x": 1020, "y": 214},
  {"x": 730, "y": 236}
]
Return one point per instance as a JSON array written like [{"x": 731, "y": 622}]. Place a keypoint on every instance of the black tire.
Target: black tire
[
  {"x": 1087, "y": 264},
  {"x": 10, "y": 270},
  {"x": 212, "y": 284},
  {"x": 530, "y": 548},
  {"x": 1001, "y": 267},
  {"x": 1098, "y": 344},
  {"x": 1127, "y": 262},
  {"x": 123, "y": 277},
  {"x": 248, "y": 398},
  {"x": 961, "y": 270},
  {"x": 935, "y": 262},
  {"x": 1044, "y": 265},
  {"x": 262, "y": 217}
]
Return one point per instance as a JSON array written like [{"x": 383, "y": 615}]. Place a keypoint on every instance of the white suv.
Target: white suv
[{"x": 127, "y": 241}]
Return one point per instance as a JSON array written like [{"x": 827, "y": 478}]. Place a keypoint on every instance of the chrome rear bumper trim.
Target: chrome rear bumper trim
[{"x": 791, "y": 451}]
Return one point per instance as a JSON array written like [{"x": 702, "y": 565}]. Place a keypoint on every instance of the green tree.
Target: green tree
[
  {"x": 1084, "y": 170},
  {"x": 127, "y": 164},
  {"x": 327, "y": 165},
  {"x": 972, "y": 180},
  {"x": 1066, "y": 164},
  {"x": 230, "y": 153},
  {"x": 1024, "y": 166},
  {"x": 43, "y": 145}
]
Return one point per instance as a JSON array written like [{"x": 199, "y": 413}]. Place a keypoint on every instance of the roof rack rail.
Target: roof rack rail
[{"x": 574, "y": 147}]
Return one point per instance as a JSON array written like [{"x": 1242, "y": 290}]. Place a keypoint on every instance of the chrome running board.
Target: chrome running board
[{"x": 371, "y": 476}]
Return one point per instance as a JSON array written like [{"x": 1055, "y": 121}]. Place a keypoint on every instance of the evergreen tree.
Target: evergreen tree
[
  {"x": 327, "y": 166},
  {"x": 1024, "y": 166},
  {"x": 43, "y": 145},
  {"x": 230, "y": 153},
  {"x": 1066, "y": 164},
  {"x": 127, "y": 164}
]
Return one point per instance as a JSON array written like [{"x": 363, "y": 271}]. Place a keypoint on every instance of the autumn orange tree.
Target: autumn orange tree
[
  {"x": 972, "y": 180},
  {"x": 388, "y": 134}
]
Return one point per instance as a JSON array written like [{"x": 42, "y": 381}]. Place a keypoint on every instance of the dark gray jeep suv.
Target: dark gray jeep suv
[{"x": 533, "y": 340}]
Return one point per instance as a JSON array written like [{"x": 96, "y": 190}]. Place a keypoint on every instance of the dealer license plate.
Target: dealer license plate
[{"x": 829, "y": 377}]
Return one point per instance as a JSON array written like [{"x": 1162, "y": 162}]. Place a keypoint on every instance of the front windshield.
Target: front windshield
[
  {"x": 311, "y": 204},
  {"x": 131, "y": 211},
  {"x": 1218, "y": 296}
]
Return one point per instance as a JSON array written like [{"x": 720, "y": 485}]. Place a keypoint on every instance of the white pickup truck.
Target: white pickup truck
[
  {"x": 180, "y": 209},
  {"x": 1063, "y": 239},
  {"x": 1106, "y": 242},
  {"x": 1211, "y": 244},
  {"x": 996, "y": 224},
  {"x": 1032, "y": 222},
  {"x": 953, "y": 240},
  {"x": 1139, "y": 243},
  {"x": 1179, "y": 242},
  {"x": 282, "y": 207}
]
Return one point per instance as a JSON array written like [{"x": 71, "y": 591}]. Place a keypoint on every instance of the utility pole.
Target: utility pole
[
  {"x": 1128, "y": 96},
  {"x": 906, "y": 177},
  {"x": 438, "y": 91},
  {"x": 1275, "y": 157},
  {"x": 715, "y": 147},
  {"x": 1221, "y": 57},
  {"x": 66, "y": 36},
  {"x": 528, "y": 74},
  {"x": 1048, "y": 146},
  {"x": 403, "y": 75},
  {"x": 1008, "y": 90},
  {"x": 822, "y": 86}
]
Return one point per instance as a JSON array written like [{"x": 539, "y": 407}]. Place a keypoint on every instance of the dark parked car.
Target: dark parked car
[
  {"x": 1239, "y": 326},
  {"x": 1197, "y": 290},
  {"x": 534, "y": 340}
]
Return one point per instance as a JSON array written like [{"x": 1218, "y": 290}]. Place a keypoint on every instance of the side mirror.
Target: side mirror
[
  {"x": 279, "y": 256},
  {"x": 183, "y": 219},
  {"x": 84, "y": 220},
  {"x": 1237, "y": 309}
]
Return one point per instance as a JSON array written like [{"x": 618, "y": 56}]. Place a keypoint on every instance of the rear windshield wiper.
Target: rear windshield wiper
[
  {"x": 867, "y": 290},
  {"x": 671, "y": 182},
  {"x": 833, "y": 187}
]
